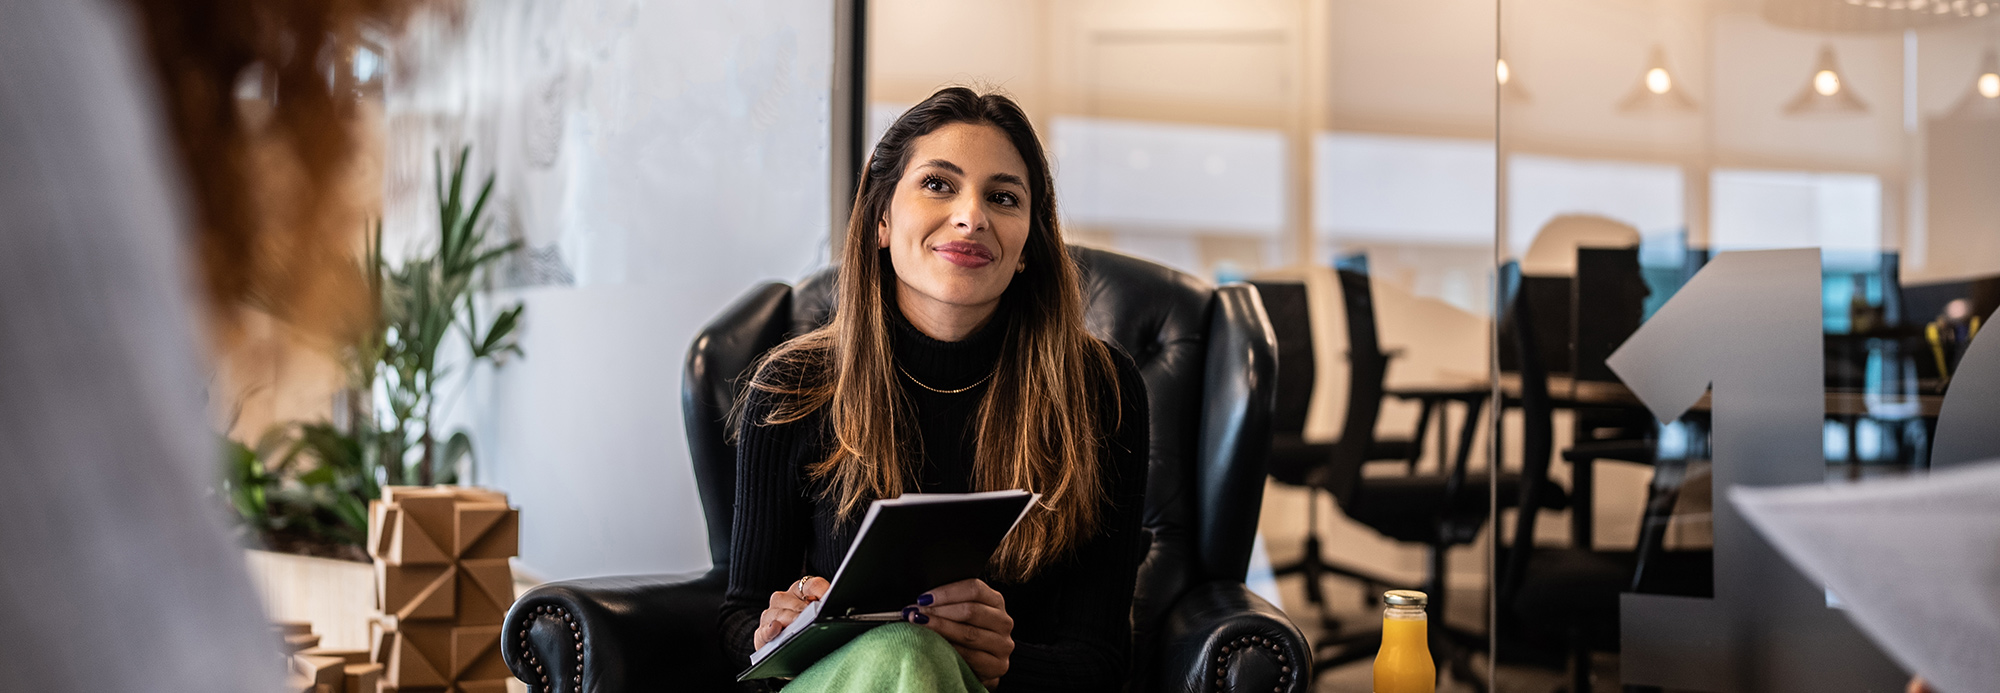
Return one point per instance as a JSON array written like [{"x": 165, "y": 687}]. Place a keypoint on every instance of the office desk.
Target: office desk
[
  {"x": 1569, "y": 393},
  {"x": 1431, "y": 398}
]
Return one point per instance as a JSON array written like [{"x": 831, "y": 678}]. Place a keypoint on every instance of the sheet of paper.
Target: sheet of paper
[
  {"x": 804, "y": 619},
  {"x": 1915, "y": 561}
]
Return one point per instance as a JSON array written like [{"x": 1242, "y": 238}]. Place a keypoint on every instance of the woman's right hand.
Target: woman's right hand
[{"x": 785, "y": 607}]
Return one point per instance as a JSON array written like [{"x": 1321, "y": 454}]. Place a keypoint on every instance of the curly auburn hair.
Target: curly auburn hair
[{"x": 274, "y": 218}]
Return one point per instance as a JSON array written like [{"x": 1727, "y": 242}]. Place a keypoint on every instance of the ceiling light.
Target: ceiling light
[
  {"x": 1981, "y": 102},
  {"x": 1510, "y": 88},
  {"x": 1657, "y": 90},
  {"x": 1827, "y": 93},
  {"x": 1658, "y": 81}
]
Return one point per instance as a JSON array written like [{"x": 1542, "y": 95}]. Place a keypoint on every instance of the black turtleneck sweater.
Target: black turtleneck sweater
[{"x": 1072, "y": 621}]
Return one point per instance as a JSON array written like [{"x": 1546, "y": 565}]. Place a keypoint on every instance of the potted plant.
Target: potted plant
[
  {"x": 424, "y": 304},
  {"x": 305, "y": 487}
]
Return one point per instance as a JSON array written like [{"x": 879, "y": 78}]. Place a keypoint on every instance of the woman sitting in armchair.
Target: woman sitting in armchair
[{"x": 956, "y": 361}]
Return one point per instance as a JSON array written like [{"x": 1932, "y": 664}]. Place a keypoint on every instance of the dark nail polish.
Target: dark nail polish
[
  {"x": 920, "y": 619},
  {"x": 924, "y": 599},
  {"x": 907, "y": 611}
]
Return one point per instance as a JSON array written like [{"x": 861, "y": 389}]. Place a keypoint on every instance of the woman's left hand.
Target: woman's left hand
[{"x": 973, "y": 618}]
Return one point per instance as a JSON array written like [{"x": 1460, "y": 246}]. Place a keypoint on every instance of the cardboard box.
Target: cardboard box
[
  {"x": 381, "y": 631},
  {"x": 419, "y": 655},
  {"x": 491, "y": 686},
  {"x": 485, "y": 590},
  {"x": 345, "y": 656},
  {"x": 486, "y": 530},
  {"x": 419, "y": 532},
  {"x": 379, "y": 519},
  {"x": 362, "y": 678},
  {"x": 411, "y": 592},
  {"x": 444, "y": 585},
  {"x": 324, "y": 671},
  {"x": 475, "y": 654}
]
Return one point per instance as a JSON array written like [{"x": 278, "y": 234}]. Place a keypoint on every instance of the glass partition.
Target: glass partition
[
  {"x": 1756, "y": 223},
  {"x": 1568, "y": 220}
]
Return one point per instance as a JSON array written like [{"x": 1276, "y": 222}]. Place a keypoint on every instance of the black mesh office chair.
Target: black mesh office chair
[
  {"x": 1607, "y": 303},
  {"x": 1293, "y": 461},
  {"x": 1565, "y": 600},
  {"x": 1205, "y": 353},
  {"x": 1440, "y": 509}
]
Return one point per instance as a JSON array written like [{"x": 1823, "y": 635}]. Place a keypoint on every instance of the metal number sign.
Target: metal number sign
[{"x": 1749, "y": 326}]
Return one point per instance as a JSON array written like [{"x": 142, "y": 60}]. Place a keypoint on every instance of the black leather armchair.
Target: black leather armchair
[{"x": 1207, "y": 357}]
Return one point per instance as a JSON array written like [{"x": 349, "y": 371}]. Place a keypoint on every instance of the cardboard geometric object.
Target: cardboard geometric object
[
  {"x": 443, "y": 586},
  {"x": 419, "y": 655},
  {"x": 485, "y": 590},
  {"x": 362, "y": 678},
  {"x": 322, "y": 671},
  {"x": 326, "y": 670},
  {"x": 475, "y": 654},
  {"x": 417, "y": 592}
]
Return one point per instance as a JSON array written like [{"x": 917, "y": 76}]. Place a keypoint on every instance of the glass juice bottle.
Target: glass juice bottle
[{"x": 1403, "y": 665}]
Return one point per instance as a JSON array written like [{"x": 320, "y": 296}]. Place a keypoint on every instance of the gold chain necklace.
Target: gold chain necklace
[{"x": 920, "y": 383}]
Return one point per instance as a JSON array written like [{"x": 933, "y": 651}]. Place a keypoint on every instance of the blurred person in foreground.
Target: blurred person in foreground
[
  {"x": 956, "y": 361},
  {"x": 141, "y": 209}
]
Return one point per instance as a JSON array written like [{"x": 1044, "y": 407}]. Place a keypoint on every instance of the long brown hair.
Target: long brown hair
[
  {"x": 276, "y": 215},
  {"x": 1041, "y": 422}
]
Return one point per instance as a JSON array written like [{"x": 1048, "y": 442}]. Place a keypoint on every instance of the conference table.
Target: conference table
[{"x": 1571, "y": 393}]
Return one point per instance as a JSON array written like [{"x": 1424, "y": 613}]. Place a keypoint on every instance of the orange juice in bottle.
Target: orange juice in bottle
[{"x": 1403, "y": 665}]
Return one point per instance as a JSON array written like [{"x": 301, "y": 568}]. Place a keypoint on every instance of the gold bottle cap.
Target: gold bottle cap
[{"x": 1405, "y": 598}]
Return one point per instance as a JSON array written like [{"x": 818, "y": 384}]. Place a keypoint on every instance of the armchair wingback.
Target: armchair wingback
[{"x": 1207, "y": 358}]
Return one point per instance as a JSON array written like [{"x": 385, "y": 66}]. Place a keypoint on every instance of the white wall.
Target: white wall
[{"x": 658, "y": 159}]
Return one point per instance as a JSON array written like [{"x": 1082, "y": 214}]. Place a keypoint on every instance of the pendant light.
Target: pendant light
[
  {"x": 1827, "y": 92},
  {"x": 1988, "y": 81},
  {"x": 1509, "y": 83},
  {"x": 1658, "y": 90},
  {"x": 1982, "y": 101}
]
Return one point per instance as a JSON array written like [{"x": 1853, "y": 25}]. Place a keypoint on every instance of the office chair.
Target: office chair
[
  {"x": 1576, "y": 589},
  {"x": 1439, "y": 510},
  {"x": 1205, "y": 353},
  {"x": 1292, "y": 459},
  {"x": 1606, "y": 304}
]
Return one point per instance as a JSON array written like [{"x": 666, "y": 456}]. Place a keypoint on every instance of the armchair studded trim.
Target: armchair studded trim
[
  {"x": 1242, "y": 648},
  {"x": 549, "y": 615},
  {"x": 1221, "y": 637},
  {"x": 574, "y": 636}
]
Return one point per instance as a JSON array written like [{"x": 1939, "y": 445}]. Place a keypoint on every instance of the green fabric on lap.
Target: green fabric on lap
[{"x": 898, "y": 657}]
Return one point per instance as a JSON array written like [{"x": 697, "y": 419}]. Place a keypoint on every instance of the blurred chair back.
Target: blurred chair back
[
  {"x": 1551, "y": 299},
  {"x": 1609, "y": 300},
  {"x": 1286, "y": 304},
  {"x": 1518, "y": 312},
  {"x": 1367, "y": 369}
]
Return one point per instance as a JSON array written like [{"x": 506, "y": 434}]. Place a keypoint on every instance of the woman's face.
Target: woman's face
[{"x": 957, "y": 222}]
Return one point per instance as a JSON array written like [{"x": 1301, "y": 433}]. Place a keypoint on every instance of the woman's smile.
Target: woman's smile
[
  {"x": 963, "y": 199},
  {"x": 967, "y": 254}
]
